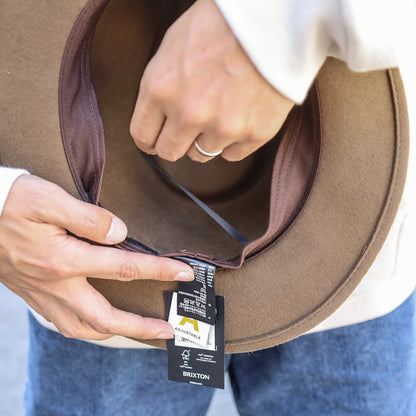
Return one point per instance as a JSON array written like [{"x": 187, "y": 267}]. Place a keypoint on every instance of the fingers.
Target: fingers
[
  {"x": 68, "y": 323},
  {"x": 112, "y": 263},
  {"x": 146, "y": 123},
  {"x": 202, "y": 84},
  {"x": 175, "y": 139},
  {"x": 79, "y": 311},
  {"x": 210, "y": 143},
  {"x": 85, "y": 220},
  {"x": 105, "y": 319},
  {"x": 240, "y": 150},
  {"x": 48, "y": 203},
  {"x": 44, "y": 251}
]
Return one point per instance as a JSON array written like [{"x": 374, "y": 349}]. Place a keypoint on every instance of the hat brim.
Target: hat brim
[{"x": 313, "y": 267}]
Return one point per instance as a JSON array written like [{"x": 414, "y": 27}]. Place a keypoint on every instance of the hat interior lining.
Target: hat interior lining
[{"x": 157, "y": 215}]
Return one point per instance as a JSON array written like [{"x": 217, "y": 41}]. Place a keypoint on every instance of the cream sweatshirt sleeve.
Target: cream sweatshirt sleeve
[
  {"x": 288, "y": 40},
  {"x": 7, "y": 178}
]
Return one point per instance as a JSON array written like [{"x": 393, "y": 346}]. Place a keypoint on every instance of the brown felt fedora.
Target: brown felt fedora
[{"x": 316, "y": 203}]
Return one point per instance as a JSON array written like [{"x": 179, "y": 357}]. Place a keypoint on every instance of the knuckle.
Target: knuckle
[
  {"x": 157, "y": 90},
  {"x": 70, "y": 331},
  {"x": 127, "y": 271},
  {"x": 57, "y": 266},
  {"x": 100, "y": 325},
  {"x": 54, "y": 268},
  {"x": 90, "y": 222},
  {"x": 16, "y": 259},
  {"x": 233, "y": 158},
  {"x": 59, "y": 271},
  {"x": 138, "y": 132},
  {"x": 167, "y": 154},
  {"x": 39, "y": 203},
  {"x": 34, "y": 196},
  {"x": 230, "y": 130},
  {"x": 257, "y": 136},
  {"x": 141, "y": 334},
  {"x": 193, "y": 115},
  {"x": 157, "y": 85},
  {"x": 140, "y": 331},
  {"x": 198, "y": 158},
  {"x": 67, "y": 333}
]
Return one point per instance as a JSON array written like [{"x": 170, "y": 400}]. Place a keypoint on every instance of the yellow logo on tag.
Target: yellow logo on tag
[{"x": 193, "y": 322}]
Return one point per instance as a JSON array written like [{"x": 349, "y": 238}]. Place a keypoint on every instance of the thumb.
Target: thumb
[{"x": 49, "y": 203}]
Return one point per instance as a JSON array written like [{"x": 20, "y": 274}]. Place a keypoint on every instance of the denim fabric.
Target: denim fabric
[{"x": 367, "y": 369}]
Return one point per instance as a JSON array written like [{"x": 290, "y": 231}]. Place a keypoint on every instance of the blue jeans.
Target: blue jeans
[{"x": 367, "y": 369}]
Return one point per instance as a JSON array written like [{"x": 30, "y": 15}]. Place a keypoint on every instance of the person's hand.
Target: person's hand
[
  {"x": 48, "y": 268},
  {"x": 201, "y": 85}
]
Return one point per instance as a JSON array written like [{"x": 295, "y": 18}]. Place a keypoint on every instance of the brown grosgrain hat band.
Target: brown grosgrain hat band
[{"x": 316, "y": 203}]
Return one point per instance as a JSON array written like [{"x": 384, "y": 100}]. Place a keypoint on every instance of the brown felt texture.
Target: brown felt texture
[
  {"x": 318, "y": 256},
  {"x": 33, "y": 39},
  {"x": 165, "y": 220}
]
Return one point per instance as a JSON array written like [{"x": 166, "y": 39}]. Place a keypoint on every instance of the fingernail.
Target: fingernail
[
  {"x": 165, "y": 335},
  {"x": 117, "y": 231},
  {"x": 185, "y": 276}
]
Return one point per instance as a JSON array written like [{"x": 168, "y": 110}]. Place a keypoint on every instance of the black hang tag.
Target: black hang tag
[
  {"x": 196, "y": 299},
  {"x": 190, "y": 363}
]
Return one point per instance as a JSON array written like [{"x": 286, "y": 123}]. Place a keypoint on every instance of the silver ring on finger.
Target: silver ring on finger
[{"x": 202, "y": 152}]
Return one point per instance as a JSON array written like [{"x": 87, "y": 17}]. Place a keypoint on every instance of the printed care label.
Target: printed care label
[
  {"x": 196, "y": 299},
  {"x": 189, "y": 328},
  {"x": 189, "y": 361}
]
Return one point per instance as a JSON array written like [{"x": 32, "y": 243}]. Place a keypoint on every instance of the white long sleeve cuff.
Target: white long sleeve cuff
[
  {"x": 289, "y": 40},
  {"x": 7, "y": 178}
]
